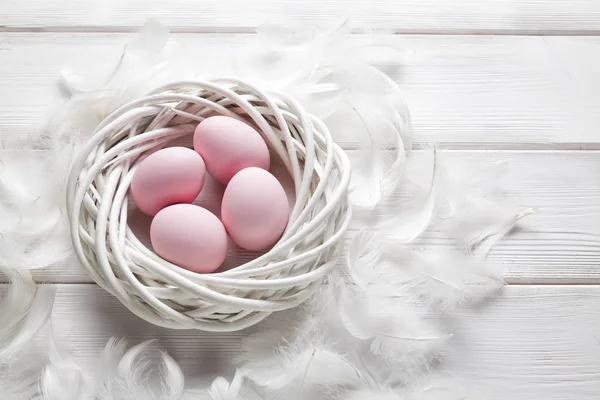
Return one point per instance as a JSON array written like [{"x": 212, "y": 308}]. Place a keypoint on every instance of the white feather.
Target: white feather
[
  {"x": 411, "y": 219},
  {"x": 17, "y": 301},
  {"x": 62, "y": 378},
  {"x": 118, "y": 375},
  {"x": 395, "y": 331},
  {"x": 141, "y": 60},
  {"x": 495, "y": 233},
  {"x": 109, "y": 362},
  {"x": 32, "y": 222},
  {"x": 133, "y": 377},
  {"x": 473, "y": 208},
  {"x": 300, "y": 364},
  {"x": 37, "y": 314},
  {"x": 237, "y": 389},
  {"x": 426, "y": 274},
  {"x": 373, "y": 103},
  {"x": 23, "y": 312},
  {"x": 19, "y": 376},
  {"x": 148, "y": 61}
]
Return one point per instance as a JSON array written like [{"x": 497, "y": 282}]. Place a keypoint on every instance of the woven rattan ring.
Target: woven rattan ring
[{"x": 163, "y": 293}]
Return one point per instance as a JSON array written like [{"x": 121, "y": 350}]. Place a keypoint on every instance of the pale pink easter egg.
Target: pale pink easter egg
[
  {"x": 190, "y": 237},
  {"x": 255, "y": 209},
  {"x": 228, "y": 146},
  {"x": 170, "y": 176}
]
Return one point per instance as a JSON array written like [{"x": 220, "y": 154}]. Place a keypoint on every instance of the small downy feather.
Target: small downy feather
[
  {"x": 134, "y": 370},
  {"x": 19, "y": 378},
  {"x": 142, "y": 65},
  {"x": 301, "y": 365},
  {"x": 146, "y": 45},
  {"x": 104, "y": 376},
  {"x": 431, "y": 275},
  {"x": 32, "y": 221},
  {"x": 379, "y": 167},
  {"x": 396, "y": 332},
  {"x": 495, "y": 233},
  {"x": 410, "y": 222},
  {"x": 62, "y": 378},
  {"x": 23, "y": 312},
  {"x": 237, "y": 389},
  {"x": 119, "y": 375},
  {"x": 15, "y": 339},
  {"x": 473, "y": 208},
  {"x": 147, "y": 62},
  {"x": 17, "y": 301}
]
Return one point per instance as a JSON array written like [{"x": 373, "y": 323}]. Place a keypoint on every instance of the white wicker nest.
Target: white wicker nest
[{"x": 165, "y": 294}]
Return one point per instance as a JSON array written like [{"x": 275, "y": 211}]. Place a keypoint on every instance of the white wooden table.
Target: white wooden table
[{"x": 515, "y": 80}]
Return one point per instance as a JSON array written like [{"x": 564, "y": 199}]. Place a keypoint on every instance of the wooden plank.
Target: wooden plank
[
  {"x": 450, "y": 16},
  {"x": 463, "y": 91},
  {"x": 559, "y": 244},
  {"x": 535, "y": 343}
]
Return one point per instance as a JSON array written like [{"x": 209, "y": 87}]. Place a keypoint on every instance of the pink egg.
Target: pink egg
[
  {"x": 255, "y": 209},
  {"x": 170, "y": 176},
  {"x": 228, "y": 146},
  {"x": 189, "y": 236}
]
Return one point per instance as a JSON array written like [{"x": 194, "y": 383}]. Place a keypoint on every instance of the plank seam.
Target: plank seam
[{"x": 252, "y": 30}]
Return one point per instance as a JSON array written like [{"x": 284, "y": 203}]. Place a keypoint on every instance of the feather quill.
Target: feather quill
[{"x": 412, "y": 219}]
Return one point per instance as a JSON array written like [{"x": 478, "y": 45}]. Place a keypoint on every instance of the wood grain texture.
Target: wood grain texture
[
  {"x": 534, "y": 343},
  {"x": 449, "y": 16},
  {"x": 463, "y": 91},
  {"x": 558, "y": 244}
]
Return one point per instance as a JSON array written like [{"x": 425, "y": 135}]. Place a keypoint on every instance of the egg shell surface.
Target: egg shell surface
[
  {"x": 169, "y": 176},
  {"x": 189, "y": 236},
  {"x": 255, "y": 209},
  {"x": 228, "y": 146}
]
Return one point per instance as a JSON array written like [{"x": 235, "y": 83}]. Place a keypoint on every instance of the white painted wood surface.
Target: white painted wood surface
[
  {"x": 450, "y": 16},
  {"x": 479, "y": 81},
  {"x": 463, "y": 91},
  {"x": 531, "y": 342}
]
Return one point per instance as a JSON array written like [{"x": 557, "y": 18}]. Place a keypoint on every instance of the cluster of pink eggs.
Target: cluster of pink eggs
[{"x": 254, "y": 208}]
